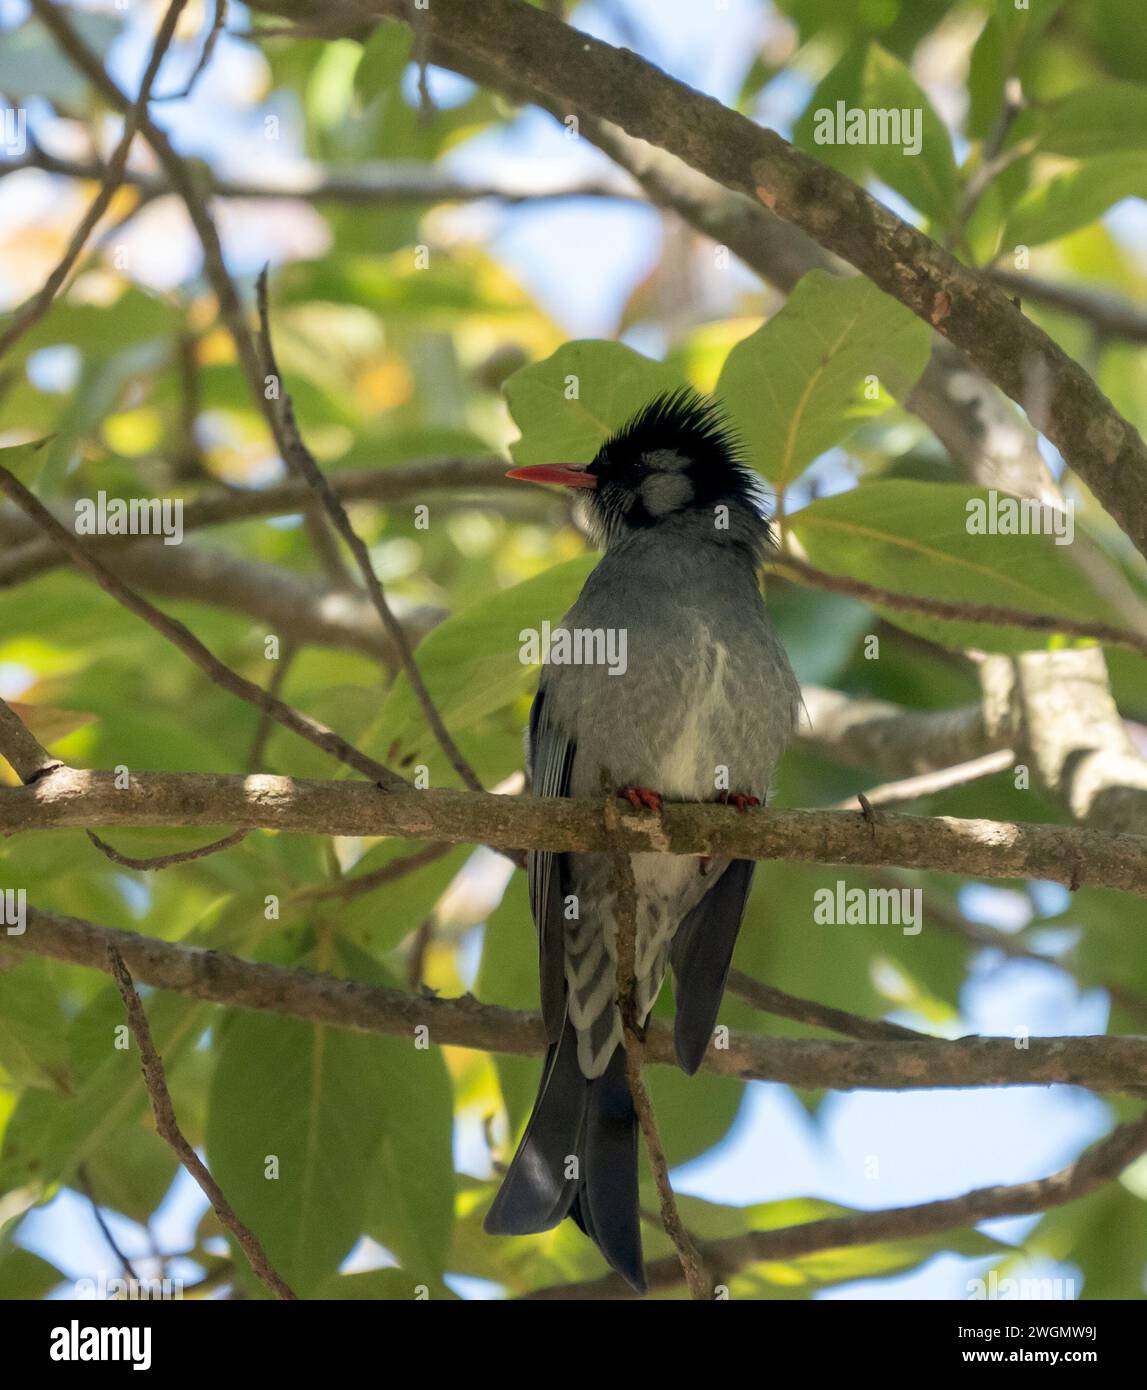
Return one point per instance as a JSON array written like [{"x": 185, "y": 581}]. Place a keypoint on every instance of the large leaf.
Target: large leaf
[
  {"x": 471, "y": 663},
  {"x": 569, "y": 404},
  {"x": 302, "y": 1097},
  {"x": 1099, "y": 119},
  {"x": 1075, "y": 197},
  {"x": 927, "y": 178},
  {"x": 796, "y": 387},
  {"x": 913, "y": 538},
  {"x": 33, "y": 1031},
  {"x": 330, "y": 1106}
]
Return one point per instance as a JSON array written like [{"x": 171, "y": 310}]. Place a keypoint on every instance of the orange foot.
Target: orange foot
[
  {"x": 641, "y": 798},
  {"x": 739, "y": 800}
]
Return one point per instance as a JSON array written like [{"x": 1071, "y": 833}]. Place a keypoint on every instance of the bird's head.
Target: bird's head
[{"x": 677, "y": 455}]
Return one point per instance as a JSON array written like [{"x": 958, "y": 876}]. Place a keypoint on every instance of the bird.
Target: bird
[{"x": 702, "y": 711}]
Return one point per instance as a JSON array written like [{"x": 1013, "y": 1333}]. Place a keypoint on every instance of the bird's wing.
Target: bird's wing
[
  {"x": 701, "y": 954},
  {"x": 551, "y": 757}
]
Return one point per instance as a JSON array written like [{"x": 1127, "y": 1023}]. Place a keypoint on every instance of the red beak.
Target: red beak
[{"x": 568, "y": 474}]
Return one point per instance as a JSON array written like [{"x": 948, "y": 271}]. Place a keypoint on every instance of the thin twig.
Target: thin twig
[
  {"x": 190, "y": 645},
  {"x": 105, "y": 1230},
  {"x": 167, "y": 1127},
  {"x": 165, "y": 861},
  {"x": 929, "y": 783},
  {"x": 782, "y": 1005},
  {"x": 24, "y": 559},
  {"x": 347, "y": 888},
  {"x": 38, "y": 305},
  {"x": 204, "y": 58},
  {"x": 692, "y": 1265},
  {"x": 305, "y": 464},
  {"x": 789, "y": 565},
  {"x": 186, "y": 184},
  {"x": 376, "y": 184}
]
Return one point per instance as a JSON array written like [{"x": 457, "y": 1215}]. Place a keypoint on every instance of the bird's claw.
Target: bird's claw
[
  {"x": 641, "y": 798},
  {"x": 740, "y": 800}
]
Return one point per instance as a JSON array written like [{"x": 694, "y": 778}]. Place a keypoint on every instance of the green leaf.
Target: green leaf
[
  {"x": 842, "y": 82},
  {"x": 913, "y": 538},
  {"x": 796, "y": 386},
  {"x": 381, "y": 918},
  {"x": 929, "y": 178},
  {"x": 411, "y": 1200},
  {"x": 611, "y": 381},
  {"x": 471, "y": 662},
  {"x": 1072, "y": 199},
  {"x": 33, "y": 1030},
  {"x": 335, "y": 1109},
  {"x": 508, "y": 976},
  {"x": 303, "y": 1097},
  {"x": 49, "y": 1135},
  {"x": 24, "y": 1275},
  {"x": 1099, "y": 119}
]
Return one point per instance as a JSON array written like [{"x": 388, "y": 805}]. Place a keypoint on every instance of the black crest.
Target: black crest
[{"x": 678, "y": 432}]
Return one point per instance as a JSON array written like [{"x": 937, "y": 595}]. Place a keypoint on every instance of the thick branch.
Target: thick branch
[
  {"x": 979, "y": 848},
  {"x": 21, "y": 749},
  {"x": 1100, "y": 1165},
  {"x": 1100, "y": 1063}
]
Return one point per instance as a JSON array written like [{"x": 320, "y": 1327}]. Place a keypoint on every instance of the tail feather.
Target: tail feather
[
  {"x": 608, "y": 1200},
  {"x": 701, "y": 954},
  {"x": 594, "y": 1120},
  {"x": 535, "y": 1193}
]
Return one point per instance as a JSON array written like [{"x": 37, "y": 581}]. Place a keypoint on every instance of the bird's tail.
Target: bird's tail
[{"x": 578, "y": 1157}]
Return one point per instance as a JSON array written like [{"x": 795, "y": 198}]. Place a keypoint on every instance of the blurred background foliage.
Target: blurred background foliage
[{"x": 427, "y": 331}]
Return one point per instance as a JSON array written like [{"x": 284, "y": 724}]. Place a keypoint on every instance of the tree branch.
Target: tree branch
[
  {"x": 991, "y": 613},
  {"x": 190, "y": 645},
  {"x": 1104, "y": 1064},
  {"x": 30, "y": 553},
  {"x": 303, "y": 462},
  {"x": 700, "y": 1286},
  {"x": 1098, "y": 1166},
  {"x": 1069, "y": 855},
  {"x": 112, "y": 177},
  {"x": 22, "y": 750},
  {"x": 183, "y": 181},
  {"x": 377, "y": 184},
  {"x": 167, "y": 1127}
]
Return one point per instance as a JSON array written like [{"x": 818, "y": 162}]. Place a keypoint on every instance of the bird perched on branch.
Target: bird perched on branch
[{"x": 700, "y": 711}]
